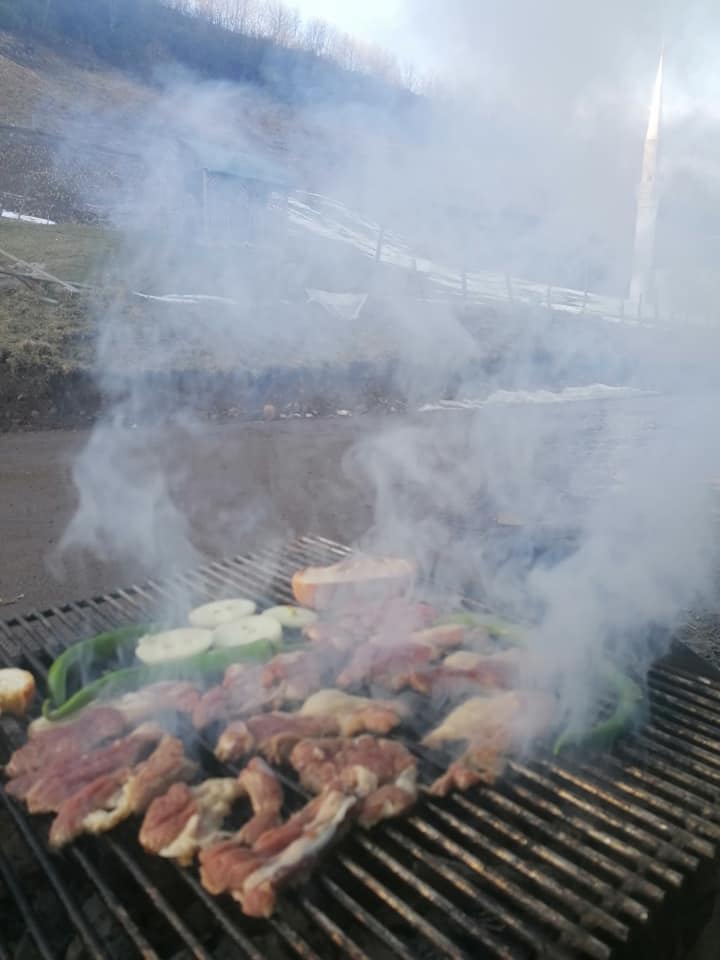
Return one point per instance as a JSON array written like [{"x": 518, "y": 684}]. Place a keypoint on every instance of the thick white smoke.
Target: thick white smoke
[{"x": 529, "y": 169}]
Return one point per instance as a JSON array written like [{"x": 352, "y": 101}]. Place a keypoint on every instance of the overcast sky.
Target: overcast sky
[{"x": 456, "y": 38}]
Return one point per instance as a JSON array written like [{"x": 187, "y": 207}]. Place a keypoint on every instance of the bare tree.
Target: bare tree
[
  {"x": 344, "y": 51},
  {"x": 283, "y": 25},
  {"x": 242, "y": 15},
  {"x": 378, "y": 62},
  {"x": 316, "y": 37}
]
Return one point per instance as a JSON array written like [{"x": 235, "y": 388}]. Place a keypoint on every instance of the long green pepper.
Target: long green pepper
[
  {"x": 133, "y": 678},
  {"x": 89, "y": 652},
  {"x": 604, "y": 734}
]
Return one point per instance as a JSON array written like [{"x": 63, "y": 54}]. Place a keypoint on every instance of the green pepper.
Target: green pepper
[
  {"x": 512, "y": 633},
  {"x": 96, "y": 649},
  {"x": 627, "y": 704},
  {"x": 133, "y": 678}
]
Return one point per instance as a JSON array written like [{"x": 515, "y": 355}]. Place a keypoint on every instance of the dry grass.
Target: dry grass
[
  {"x": 70, "y": 251},
  {"x": 41, "y": 89},
  {"x": 35, "y": 334}
]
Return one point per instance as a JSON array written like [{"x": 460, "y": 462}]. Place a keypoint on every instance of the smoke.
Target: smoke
[
  {"x": 529, "y": 169},
  {"x": 549, "y": 115}
]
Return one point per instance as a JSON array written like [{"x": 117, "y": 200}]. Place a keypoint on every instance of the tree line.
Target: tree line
[
  {"x": 284, "y": 25},
  {"x": 251, "y": 41}
]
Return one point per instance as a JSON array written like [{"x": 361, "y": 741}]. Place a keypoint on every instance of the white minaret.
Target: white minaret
[{"x": 647, "y": 205}]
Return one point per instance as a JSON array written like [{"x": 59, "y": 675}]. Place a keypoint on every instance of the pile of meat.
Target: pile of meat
[
  {"x": 325, "y": 711},
  {"x": 385, "y": 650}
]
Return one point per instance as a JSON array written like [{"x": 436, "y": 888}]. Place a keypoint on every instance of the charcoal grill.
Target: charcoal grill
[{"x": 589, "y": 859}]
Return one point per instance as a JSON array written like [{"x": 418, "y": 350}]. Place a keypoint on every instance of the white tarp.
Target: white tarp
[
  {"x": 344, "y": 306},
  {"x": 11, "y": 215}
]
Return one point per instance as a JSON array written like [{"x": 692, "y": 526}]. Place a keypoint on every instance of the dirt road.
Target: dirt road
[{"x": 290, "y": 473}]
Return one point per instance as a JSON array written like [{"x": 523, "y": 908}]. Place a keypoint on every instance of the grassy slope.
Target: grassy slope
[
  {"x": 69, "y": 251},
  {"x": 36, "y": 334},
  {"x": 40, "y": 89}
]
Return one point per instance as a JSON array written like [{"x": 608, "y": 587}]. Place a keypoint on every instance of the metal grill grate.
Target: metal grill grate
[{"x": 557, "y": 860}]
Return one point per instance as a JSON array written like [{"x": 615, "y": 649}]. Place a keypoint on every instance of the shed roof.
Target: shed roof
[{"x": 226, "y": 160}]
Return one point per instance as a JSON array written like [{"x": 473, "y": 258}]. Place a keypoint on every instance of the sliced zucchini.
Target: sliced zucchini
[
  {"x": 293, "y": 618},
  {"x": 211, "y": 615},
  {"x": 259, "y": 629},
  {"x": 173, "y": 645}
]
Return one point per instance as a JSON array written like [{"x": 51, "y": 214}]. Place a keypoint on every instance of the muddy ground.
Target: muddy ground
[{"x": 292, "y": 470}]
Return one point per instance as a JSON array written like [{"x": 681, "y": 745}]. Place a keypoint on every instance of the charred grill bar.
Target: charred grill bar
[{"x": 562, "y": 859}]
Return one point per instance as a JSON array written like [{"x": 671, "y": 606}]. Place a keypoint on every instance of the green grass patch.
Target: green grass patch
[{"x": 72, "y": 252}]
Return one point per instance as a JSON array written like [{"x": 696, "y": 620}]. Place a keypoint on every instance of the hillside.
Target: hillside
[
  {"x": 42, "y": 95},
  {"x": 143, "y": 36},
  {"x": 43, "y": 89}
]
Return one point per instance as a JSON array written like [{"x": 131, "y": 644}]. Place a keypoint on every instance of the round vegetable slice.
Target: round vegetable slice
[
  {"x": 173, "y": 645},
  {"x": 257, "y": 629},
  {"x": 294, "y": 618},
  {"x": 211, "y": 615}
]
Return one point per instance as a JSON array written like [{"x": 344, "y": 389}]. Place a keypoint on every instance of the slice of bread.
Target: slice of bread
[
  {"x": 17, "y": 689},
  {"x": 371, "y": 579}
]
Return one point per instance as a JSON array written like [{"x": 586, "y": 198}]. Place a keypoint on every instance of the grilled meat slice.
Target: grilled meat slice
[
  {"x": 354, "y": 714},
  {"x": 253, "y": 875},
  {"x": 391, "y": 666},
  {"x": 391, "y": 659},
  {"x": 184, "y": 819},
  {"x": 165, "y": 697},
  {"x": 447, "y": 636},
  {"x": 100, "y": 795},
  {"x": 266, "y": 797},
  {"x": 167, "y": 764},
  {"x": 463, "y": 671},
  {"x": 399, "y": 617},
  {"x": 390, "y": 800},
  {"x": 310, "y": 832},
  {"x": 330, "y": 636},
  {"x": 224, "y": 865},
  {"x": 271, "y": 734},
  {"x": 97, "y": 808},
  {"x": 328, "y": 713},
  {"x": 45, "y": 791},
  {"x": 483, "y": 763},
  {"x": 342, "y": 629},
  {"x": 509, "y": 717},
  {"x": 54, "y": 743},
  {"x": 240, "y": 695},
  {"x": 168, "y": 815},
  {"x": 179, "y": 822},
  {"x": 291, "y": 677},
  {"x": 494, "y": 726},
  {"x": 382, "y": 773}
]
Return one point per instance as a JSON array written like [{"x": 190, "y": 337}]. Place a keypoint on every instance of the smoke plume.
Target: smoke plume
[{"x": 527, "y": 170}]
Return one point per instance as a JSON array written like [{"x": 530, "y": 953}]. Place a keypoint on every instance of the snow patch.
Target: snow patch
[
  {"x": 12, "y": 215},
  {"x": 594, "y": 391}
]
